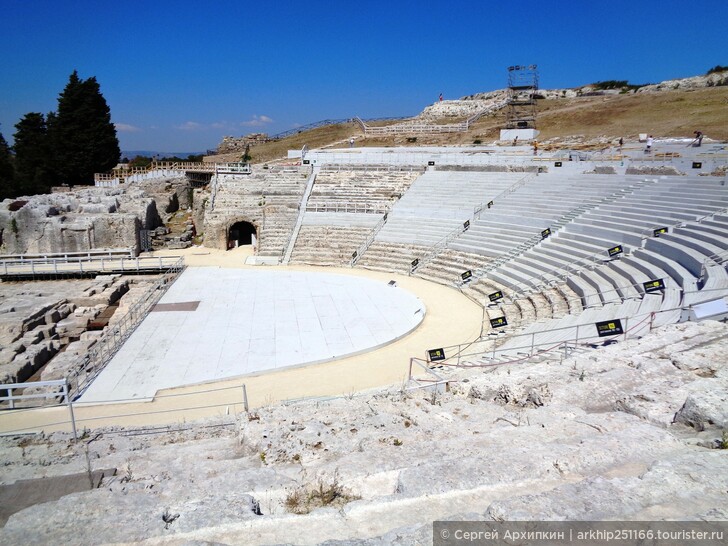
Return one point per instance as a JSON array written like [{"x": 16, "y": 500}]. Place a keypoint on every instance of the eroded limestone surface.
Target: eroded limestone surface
[{"x": 596, "y": 436}]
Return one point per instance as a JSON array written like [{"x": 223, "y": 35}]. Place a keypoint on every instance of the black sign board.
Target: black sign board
[
  {"x": 415, "y": 262},
  {"x": 436, "y": 354},
  {"x": 545, "y": 233},
  {"x": 465, "y": 275},
  {"x": 354, "y": 254},
  {"x": 495, "y": 296},
  {"x": 499, "y": 322},
  {"x": 385, "y": 216},
  {"x": 557, "y": 164},
  {"x": 466, "y": 225},
  {"x": 490, "y": 204},
  {"x": 609, "y": 328},
  {"x": 659, "y": 231},
  {"x": 430, "y": 163},
  {"x": 697, "y": 165},
  {"x": 615, "y": 251},
  {"x": 653, "y": 285},
  {"x": 306, "y": 162}
]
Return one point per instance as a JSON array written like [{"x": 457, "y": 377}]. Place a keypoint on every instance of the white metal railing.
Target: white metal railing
[
  {"x": 91, "y": 364},
  {"x": 478, "y": 210},
  {"x": 338, "y": 167},
  {"x": 302, "y": 209},
  {"x": 366, "y": 208},
  {"x": 101, "y": 264},
  {"x": 585, "y": 334},
  {"x": 418, "y": 127},
  {"x": 369, "y": 240},
  {"x": 92, "y": 253},
  {"x": 166, "y": 168},
  {"x": 57, "y": 388}
]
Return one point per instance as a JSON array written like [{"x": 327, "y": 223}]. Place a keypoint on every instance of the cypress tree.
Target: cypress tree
[
  {"x": 7, "y": 171},
  {"x": 83, "y": 137},
  {"x": 32, "y": 156}
]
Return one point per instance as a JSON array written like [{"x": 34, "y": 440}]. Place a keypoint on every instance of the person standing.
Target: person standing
[
  {"x": 440, "y": 97},
  {"x": 621, "y": 143},
  {"x": 650, "y": 142},
  {"x": 698, "y": 139}
]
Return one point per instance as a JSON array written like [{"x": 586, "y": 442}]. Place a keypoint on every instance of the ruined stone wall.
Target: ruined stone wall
[{"x": 76, "y": 221}]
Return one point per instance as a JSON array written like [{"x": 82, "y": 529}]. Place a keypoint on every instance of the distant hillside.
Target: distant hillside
[{"x": 591, "y": 115}]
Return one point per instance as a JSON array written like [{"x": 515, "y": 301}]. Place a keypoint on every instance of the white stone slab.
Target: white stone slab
[{"x": 254, "y": 321}]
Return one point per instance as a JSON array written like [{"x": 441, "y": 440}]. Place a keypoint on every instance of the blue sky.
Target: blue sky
[{"x": 180, "y": 75}]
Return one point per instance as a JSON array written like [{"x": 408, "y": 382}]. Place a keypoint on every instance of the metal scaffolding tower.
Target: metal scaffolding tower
[{"x": 522, "y": 87}]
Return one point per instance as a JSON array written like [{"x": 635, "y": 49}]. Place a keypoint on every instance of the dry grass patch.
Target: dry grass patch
[{"x": 306, "y": 498}]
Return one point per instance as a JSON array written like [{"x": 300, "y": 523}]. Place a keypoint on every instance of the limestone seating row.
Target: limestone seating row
[
  {"x": 518, "y": 219},
  {"x": 374, "y": 188},
  {"x": 341, "y": 219},
  {"x": 394, "y": 257},
  {"x": 449, "y": 265},
  {"x": 328, "y": 245},
  {"x": 424, "y": 232}
]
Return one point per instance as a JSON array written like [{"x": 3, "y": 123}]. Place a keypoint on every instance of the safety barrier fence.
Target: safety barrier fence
[
  {"x": 184, "y": 405},
  {"x": 369, "y": 240},
  {"x": 338, "y": 167},
  {"x": 85, "y": 266},
  {"x": 167, "y": 168},
  {"x": 98, "y": 356},
  {"x": 415, "y": 126},
  {"x": 490, "y": 346},
  {"x": 81, "y": 254},
  {"x": 365, "y": 208}
]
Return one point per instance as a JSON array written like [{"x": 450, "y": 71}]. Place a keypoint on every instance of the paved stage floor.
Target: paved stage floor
[{"x": 215, "y": 323}]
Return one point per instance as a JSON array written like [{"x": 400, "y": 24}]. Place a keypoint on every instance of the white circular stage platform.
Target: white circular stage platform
[{"x": 217, "y": 323}]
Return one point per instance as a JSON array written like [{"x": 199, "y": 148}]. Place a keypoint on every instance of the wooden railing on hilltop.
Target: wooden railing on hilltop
[{"x": 165, "y": 168}]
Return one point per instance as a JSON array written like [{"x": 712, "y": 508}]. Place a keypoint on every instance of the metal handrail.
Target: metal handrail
[
  {"x": 369, "y": 240},
  {"x": 347, "y": 207},
  {"x": 81, "y": 265},
  {"x": 90, "y": 365}
]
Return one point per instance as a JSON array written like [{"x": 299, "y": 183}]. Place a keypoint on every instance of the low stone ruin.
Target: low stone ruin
[
  {"x": 87, "y": 218},
  {"x": 39, "y": 320}
]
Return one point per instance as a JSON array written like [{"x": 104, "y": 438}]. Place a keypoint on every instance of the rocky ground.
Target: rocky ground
[
  {"x": 630, "y": 431},
  {"x": 47, "y": 326}
]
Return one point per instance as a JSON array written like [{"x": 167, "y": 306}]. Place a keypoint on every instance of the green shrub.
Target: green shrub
[{"x": 716, "y": 69}]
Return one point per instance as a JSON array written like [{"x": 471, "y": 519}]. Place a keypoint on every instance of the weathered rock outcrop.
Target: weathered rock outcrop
[
  {"x": 76, "y": 221},
  {"x": 588, "y": 438}
]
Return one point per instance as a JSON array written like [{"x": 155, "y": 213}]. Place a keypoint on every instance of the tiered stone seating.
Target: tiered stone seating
[
  {"x": 359, "y": 190},
  {"x": 436, "y": 204},
  {"x": 449, "y": 265},
  {"x": 678, "y": 258},
  {"x": 331, "y": 238},
  {"x": 394, "y": 257},
  {"x": 439, "y": 202},
  {"x": 522, "y": 215},
  {"x": 269, "y": 199}
]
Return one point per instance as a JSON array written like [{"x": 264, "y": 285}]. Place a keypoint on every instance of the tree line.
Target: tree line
[{"x": 63, "y": 147}]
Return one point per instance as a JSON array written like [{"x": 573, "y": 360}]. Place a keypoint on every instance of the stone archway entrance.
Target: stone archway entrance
[{"x": 242, "y": 233}]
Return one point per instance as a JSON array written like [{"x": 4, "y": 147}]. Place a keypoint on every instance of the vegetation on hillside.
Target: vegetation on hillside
[
  {"x": 716, "y": 69},
  {"x": 7, "y": 171},
  {"x": 144, "y": 161},
  {"x": 617, "y": 84}
]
